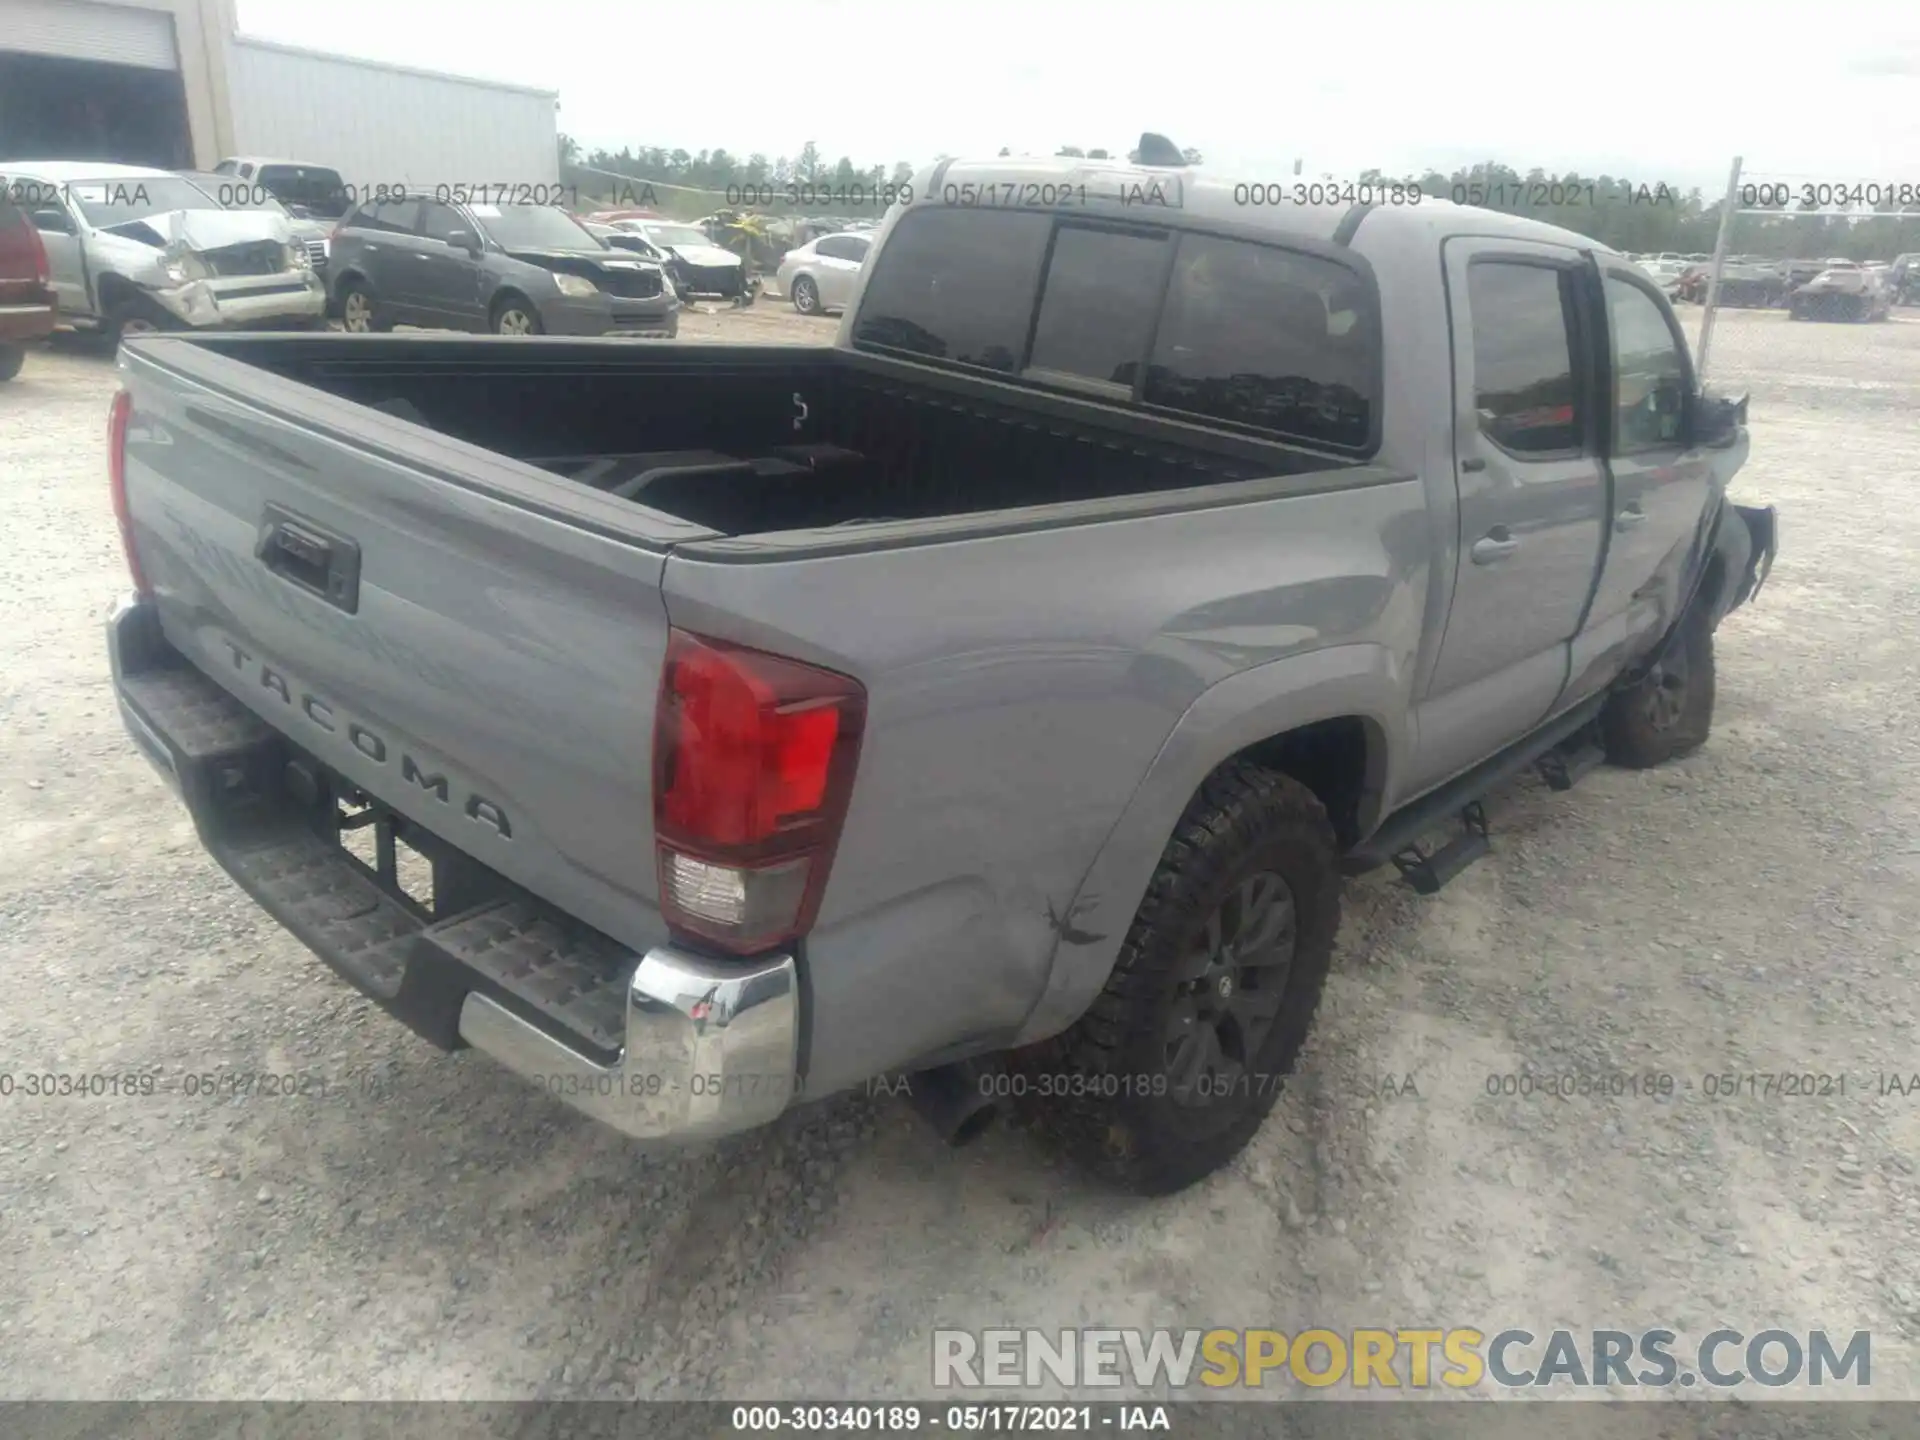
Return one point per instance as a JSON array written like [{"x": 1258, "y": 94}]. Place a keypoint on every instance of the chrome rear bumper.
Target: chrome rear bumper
[{"x": 709, "y": 1049}]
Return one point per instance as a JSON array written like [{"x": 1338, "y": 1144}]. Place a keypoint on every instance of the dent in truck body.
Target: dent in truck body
[{"x": 1009, "y": 722}]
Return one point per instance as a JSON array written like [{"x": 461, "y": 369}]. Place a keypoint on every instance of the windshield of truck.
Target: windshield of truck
[
  {"x": 534, "y": 227},
  {"x": 676, "y": 235},
  {"x": 318, "y": 190},
  {"x": 107, "y": 203},
  {"x": 1254, "y": 335}
]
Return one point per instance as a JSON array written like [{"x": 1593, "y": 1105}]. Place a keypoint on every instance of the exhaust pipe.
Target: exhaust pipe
[{"x": 957, "y": 1100}]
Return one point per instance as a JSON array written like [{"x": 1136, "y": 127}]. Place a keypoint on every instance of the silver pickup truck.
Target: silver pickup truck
[{"x": 999, "y": 692}]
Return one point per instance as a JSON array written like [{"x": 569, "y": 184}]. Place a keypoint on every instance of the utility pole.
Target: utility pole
[{"x": 1713, "y": 275}]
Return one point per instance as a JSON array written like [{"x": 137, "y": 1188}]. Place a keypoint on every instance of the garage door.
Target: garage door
[{"x": 118, "y": 34}]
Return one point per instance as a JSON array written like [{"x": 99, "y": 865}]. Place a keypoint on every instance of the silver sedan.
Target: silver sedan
[{"x": 820, "y": 275}]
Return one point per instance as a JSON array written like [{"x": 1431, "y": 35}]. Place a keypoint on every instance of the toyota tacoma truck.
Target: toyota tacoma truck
[{"x": 1002, "y": 689}]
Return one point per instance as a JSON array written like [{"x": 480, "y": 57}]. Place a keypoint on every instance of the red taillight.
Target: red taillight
[
  {"x": 42, "y": 270},
  {"x": 117, "y": 416},
  {"x": 753, "y": 760}
]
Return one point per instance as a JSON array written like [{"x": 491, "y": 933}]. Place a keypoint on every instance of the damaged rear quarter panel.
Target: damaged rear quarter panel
[{"x": 1019, "y": 688}]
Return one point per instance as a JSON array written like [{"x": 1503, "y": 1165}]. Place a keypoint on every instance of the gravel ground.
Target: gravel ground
[{"x": 413, "y": 1225}]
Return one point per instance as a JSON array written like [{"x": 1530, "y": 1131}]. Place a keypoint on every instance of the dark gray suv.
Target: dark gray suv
[{"x": 508, "y": 269}]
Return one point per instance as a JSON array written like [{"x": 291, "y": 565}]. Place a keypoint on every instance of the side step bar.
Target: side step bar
[
  {"x": 1564, "y": 766},
  {"x": 1562, "y": 748},
  {"x": 1426, "y": 873}
]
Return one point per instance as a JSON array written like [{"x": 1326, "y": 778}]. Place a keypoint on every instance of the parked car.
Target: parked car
[
  {"x": 133, "y": 250},
  {"x": 28, "y": 307},
  {"x": 305, "y": 189},
  {"x": 1904, "y": 279},
  {"x": 509, "y": 269},
  {"x": 698, "y": 266},
  {"x": 1748, "y": 282},
  {"x": 772, "y": 719},
  {"x": 1669, "y": 275},
  {"x": 610, "y": 217},
  {"x": 1843, "y": 291},
  {"x": 1798, "y": 272},
  {"x": 821, "y": 275},
  {"x": 232, "y": 194}
]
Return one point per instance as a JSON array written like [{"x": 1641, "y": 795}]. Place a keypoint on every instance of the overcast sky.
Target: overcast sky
[{"x": 1639, "y": 90}]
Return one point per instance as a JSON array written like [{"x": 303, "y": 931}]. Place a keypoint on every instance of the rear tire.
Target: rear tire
[
  {"x": 1178, "y": 1061},
  {"x": 135, "y": 315},
  {"x": 514, "y": 315},
  {"x": 12, "y": 357},
  {"x": 1670, "y": 712},
  {"x": 359, "y": 315}
]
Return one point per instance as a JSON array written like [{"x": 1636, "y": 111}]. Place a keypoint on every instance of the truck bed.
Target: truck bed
[
  {"x": 742, "y": 440},
  {"x": 445, "y": 573}
]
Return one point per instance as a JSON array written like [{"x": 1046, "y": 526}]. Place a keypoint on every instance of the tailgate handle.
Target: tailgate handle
[{"x": 320, "y": 561}]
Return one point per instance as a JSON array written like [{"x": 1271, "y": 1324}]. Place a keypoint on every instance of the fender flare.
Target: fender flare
[{"x": 1366, "y": 681}]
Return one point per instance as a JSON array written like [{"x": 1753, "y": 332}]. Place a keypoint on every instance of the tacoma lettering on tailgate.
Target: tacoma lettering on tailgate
[{"x": 322, "y": 715}]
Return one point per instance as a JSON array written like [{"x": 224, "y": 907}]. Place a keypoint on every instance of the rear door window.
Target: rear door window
[
  {"x": 957, "y": 286},
  {"x": 395, "y": 215},
  {"x": 1268, "y": 338},
  {"x": 1523, "y": 370}
]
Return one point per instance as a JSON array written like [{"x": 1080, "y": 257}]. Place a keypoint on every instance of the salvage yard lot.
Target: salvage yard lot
[{"x": 408, "y": 1225}]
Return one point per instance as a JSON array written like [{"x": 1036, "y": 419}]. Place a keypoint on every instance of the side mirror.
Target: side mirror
[
  {"x": 1717, "y": 419},
  {"x": 464, "y": 240},
  {"x": 54, "y": 219}
]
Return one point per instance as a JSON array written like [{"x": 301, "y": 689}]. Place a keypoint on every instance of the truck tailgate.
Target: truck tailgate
[{"x": 475, "y": 652}]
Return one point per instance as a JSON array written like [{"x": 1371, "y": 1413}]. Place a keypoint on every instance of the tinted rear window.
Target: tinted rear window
[
  {"x": 957, "y": 285},
  {"x": 322, "y": 191},
  {"x": 1269, "y": 338},
  {"x": 1250, "y": 334},
  {"x": 1096, "y": 313}
]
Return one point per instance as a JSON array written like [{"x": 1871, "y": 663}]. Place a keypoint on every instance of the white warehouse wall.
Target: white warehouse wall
[{"x": 387, "y": 124}]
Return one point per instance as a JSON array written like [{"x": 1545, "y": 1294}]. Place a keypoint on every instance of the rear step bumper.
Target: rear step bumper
[{"x": 661, "y": 1046}]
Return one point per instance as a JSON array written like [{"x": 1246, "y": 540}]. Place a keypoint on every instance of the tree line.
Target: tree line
[{"x": 1630, "y": 213}]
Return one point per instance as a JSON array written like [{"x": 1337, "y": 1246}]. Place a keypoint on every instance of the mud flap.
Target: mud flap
[{"x": 1763, "y": 535}]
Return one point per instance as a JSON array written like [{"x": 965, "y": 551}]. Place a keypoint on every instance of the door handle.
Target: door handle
[
  {"x": 1496, "y": 545},
  {"x": 1628, "y": 518}
]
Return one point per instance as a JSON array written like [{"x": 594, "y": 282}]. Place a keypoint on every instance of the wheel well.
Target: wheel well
[
  {"x": 1336, "y": 759},
  {"x": 504, "y": 297},
  {"x": 114, "y": 289},
  {"x": 1714, "y": 579}
]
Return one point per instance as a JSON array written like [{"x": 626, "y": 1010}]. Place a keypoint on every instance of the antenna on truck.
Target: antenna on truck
[{"x": 1159, "y": 150}]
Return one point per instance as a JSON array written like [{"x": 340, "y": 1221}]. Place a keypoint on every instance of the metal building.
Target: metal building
[{"x": 173, "y": 83}]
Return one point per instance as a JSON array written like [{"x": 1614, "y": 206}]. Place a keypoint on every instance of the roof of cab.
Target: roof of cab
[{"x": 1197, "y": 195}]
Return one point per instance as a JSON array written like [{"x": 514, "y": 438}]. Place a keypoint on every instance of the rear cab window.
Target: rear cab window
[
  {"x": 1247, "y": 333},
  {"x": 321, "y": 191}
]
